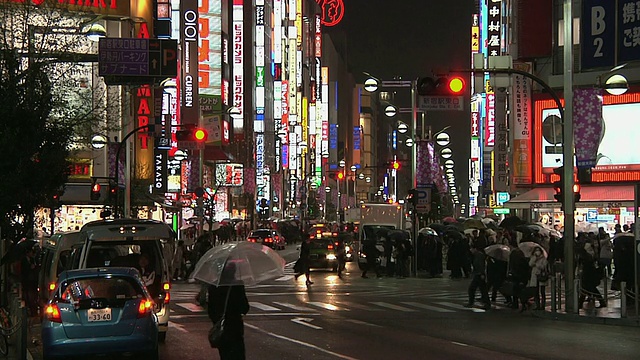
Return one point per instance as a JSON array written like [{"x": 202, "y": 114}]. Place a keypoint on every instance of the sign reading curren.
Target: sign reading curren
[{"x": 189, "y": 31}]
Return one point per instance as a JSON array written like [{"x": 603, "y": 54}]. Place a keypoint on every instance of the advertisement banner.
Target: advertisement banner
[
  {"x": 588, "y": 125},
  {"x": 490, "y": 129},
  {"x": 522, "y": 169},
  {"x": 190, "y": 110},
  {"x": 249, "y": 180},
  {"x": 500, "y": 152},
  {"x": 494, "y": 26}
]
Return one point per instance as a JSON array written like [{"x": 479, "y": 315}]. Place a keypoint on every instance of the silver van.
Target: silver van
[
  {"x": 123, "y": 243},
  {"x": 56, "y": 254}
]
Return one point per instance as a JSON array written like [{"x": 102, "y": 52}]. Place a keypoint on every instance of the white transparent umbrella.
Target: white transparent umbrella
[{"x": 238, "y": 263}]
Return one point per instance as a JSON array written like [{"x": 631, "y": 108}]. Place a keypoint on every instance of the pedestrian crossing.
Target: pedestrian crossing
[{"x": 275, "y": 307}]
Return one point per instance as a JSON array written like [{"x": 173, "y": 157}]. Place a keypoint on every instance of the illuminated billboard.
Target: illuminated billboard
[
  {"x": 619, "y": 114},
  {"x": 228, "y": 174}
]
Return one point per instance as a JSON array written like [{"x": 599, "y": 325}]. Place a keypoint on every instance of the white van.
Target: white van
[
  {"x": 56, "y": 253},
  {"x": 122, "y": 242}
]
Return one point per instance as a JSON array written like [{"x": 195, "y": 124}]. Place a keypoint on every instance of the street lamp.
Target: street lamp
[{"x": 402, "y": 127}]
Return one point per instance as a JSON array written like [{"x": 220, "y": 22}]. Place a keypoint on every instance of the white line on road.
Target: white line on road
[
  {"x": 293, "y": 306},
  {"x": 426, "y": 307},
  {"x": 459, "y": 343},
  {"x": 178, "y": 326},
  {"x": 458, "y": 306},
  {"x": 361, "y": 322},
  {"x": 191, "y": 307},
  {"x": 202, "y": 315},
  {"x": 306, "y": 322},
  {"x": 392, "y": 307},
  {"x": 285, "y": 278},
  {"x": 357, "y": 306},
  {"x": 325, "y": 306},
  {"x": 281, "y": 337},
  {"x": 262, "y": 306}
]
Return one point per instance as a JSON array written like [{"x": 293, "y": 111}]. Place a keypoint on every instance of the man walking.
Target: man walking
[
  {"x": 371, "y": 252},
  {"x": 479, "y": 279}
]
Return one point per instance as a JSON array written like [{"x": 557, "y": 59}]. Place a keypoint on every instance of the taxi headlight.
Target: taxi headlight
[
  {"x": 347, "y": 248},
  {"x": 331, "y": 257}
]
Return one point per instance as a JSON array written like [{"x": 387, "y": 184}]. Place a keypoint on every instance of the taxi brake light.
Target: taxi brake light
[
  {"x": 144, "y": 308},
  {"x": 330, "y": 246},
  {"x": 53, "y": 313}
]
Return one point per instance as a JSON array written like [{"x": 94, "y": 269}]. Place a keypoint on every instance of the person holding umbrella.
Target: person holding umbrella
[
  {"x": 302, "y": 265},
  {"x": 231, "y": 302}
]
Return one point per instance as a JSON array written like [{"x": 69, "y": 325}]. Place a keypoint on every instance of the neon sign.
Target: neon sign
[{"x": 332, "y": 11}]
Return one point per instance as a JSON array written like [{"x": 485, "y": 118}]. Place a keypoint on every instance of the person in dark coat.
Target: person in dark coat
[
  {"x": 496, "y": 275},
  {"x": 519, "y": 274},
  {"x": 479, "y": 279},
  {"x": 388, "y": 250},
  {"x": 237, "y": 305},
  {"x": 302, "y": 265},
  {"x": 371, "y": 252}
]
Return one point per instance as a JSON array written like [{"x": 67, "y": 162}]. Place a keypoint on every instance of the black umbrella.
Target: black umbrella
[
  {"x": 511, "y": 222},
  {"x": 18, "y": 251},
  {"x": 398, "y": 235},
  {"x": 454, "y": 234},
  {"x": 440, "y": 228},
  {"x": 455, "y": 226}
]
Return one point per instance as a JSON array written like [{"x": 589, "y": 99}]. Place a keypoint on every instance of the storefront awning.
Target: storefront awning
[{"x": 592, "y": 196}]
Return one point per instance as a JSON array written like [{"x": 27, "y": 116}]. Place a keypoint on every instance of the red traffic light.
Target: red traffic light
[
  {"x": 340, "y": 175},
  {"x": 96, "y": 188},
  {"x": 200, "y": 135},
  {"x": 576, "y": 188},
  {"x": 456, "y": 84}
]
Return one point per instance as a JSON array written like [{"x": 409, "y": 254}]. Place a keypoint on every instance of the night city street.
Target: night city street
[{"x": 386, "y": 318}]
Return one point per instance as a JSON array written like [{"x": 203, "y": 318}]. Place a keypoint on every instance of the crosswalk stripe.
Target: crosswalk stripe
[
  {"x": 325, "y": 306},
  {"x": 426, "y": 307},
  {"x": 191, "y": 307},
  {"x": 460, "y": 307},
  {"x": 293, "y": 306},
  {"x": 357, "y": 306},
  {"x": 262, "y": 306},
  {"x": 392, "y": 306},
  {"x": 359, "y": 322},
  {"x": 285, "y": 278}
]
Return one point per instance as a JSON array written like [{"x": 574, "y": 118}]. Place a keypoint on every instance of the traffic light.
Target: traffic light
[
  {"x": 95, "y": 189},
  {"x": 190, "y": 132},
  {"x": 395, "y": 165},
  {"x": 558, "y": 186},
  {"x": 113, "y": 191},
  {"x": 412, "y": 198},
  {"x": 576, "y": 192},
  {"x": 453, "y": 85},
  {"x": 340, "y": 175}
]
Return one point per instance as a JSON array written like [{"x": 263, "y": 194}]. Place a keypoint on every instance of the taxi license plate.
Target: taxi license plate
[{"x": 96, "y": 315}]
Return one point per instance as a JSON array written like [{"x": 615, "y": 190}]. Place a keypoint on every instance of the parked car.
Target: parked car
[
  {"x": 122, "y": 243},
  {"x": 56, "y": 253},
  {"x": 267, "y": 237},
  {"x": 100, "y": 311}
]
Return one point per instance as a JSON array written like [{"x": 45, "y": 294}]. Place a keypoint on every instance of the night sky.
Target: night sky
[{"x": 411, "y": 39}]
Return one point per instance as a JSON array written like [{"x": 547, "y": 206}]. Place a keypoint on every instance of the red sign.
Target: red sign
[
  {"x": 332, "y": 11},
  {"x": 490, "y": 129}
]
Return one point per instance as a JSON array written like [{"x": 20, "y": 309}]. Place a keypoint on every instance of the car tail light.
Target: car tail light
[
  {"x": 166, "y": 287},
  {"x": 330, "y": 247},
  {"x": 268, "y": 240},
  {"x": 144, "y": 308},
  {"x": 53, "y": 313}
]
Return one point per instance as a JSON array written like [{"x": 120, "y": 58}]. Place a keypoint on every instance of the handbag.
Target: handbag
[
  {"x": 215, "y": 334},
  {"x": 507, "y": 288}
]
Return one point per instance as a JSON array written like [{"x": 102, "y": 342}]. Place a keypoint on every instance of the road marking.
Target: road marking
[
  {"x": 357, "y": 306},
  {"x": 458, "y": 306},
  {"x": 306, "y": 322},
  {"x": 459, "y": 343},
  {"x": 178, "y": 326},
  {"x": 293, "y": 306},
  {"x": 427, "y": 307},
  {"x": 325, "y": 306},
  {"x": 262, "y": 306},
  {"x": 281, "y": 337},
  {"x": 191, "y": 307},
  {"x": 361, "y": 322},
  {"x": 285, "y": 278},
  {"x": 392, "y": 307}
]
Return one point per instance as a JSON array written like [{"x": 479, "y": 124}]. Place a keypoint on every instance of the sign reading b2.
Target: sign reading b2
[
  {"x": 610, "y": 32},
  {"x": 598, "y": 33}
]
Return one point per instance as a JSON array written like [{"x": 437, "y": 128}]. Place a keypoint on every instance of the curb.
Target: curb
[{"x": 587, "y": 319}]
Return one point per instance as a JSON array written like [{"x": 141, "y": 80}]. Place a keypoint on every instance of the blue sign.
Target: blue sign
[
  {"x": 598, "y": 33},
  {"x": 592, "y": 215},
  {"x": 356, "y": 138},
  {"x": 333, "y": 136},
  {"x": 502, "y": 197},
  {"x": 628, "y": 30}
]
